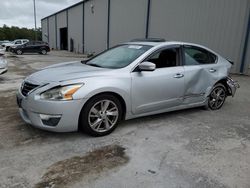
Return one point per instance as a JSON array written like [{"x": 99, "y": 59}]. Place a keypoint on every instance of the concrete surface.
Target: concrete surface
[{"x": 189, "y": 148}]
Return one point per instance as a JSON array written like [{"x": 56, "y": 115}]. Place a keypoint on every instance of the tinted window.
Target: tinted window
[
  {"x": 38, "y": 43},
  {"x": 118, "y": 57},
  {"x": 197, "y": 56},
  {"x": 164, "y": 58},
  {"x": 29, "y": 43}
]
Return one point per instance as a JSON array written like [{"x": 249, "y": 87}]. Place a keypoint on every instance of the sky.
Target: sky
[{"x": 21, "y": 13}]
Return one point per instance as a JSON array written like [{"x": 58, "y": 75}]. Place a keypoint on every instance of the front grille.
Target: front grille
[{"x": 27, "y": 87}]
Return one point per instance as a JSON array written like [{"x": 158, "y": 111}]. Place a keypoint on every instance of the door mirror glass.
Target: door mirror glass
[{"x": 147, "y": 66}]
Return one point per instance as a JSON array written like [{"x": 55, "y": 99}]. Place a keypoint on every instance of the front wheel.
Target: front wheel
[
  {"x": 19, "y": 52},
  {"x": 101, "y": 115},
  {"x": 217, "y": 97}
]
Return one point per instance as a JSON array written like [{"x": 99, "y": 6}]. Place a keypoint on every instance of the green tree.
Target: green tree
[{"x": 12, "y": 33}]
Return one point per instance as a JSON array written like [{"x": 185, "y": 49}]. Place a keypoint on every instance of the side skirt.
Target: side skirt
[{"x": 181, "y": 107}]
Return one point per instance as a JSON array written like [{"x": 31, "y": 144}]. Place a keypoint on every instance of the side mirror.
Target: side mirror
[{"x": 147, "y": 66}]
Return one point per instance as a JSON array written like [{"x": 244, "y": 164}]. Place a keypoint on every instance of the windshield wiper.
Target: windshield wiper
[
  {"x": 83, "y": 61},
  {"x": 94, "y": 65}
]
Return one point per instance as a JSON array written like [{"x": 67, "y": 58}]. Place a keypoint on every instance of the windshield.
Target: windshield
[{"x": 118, "y": 57}]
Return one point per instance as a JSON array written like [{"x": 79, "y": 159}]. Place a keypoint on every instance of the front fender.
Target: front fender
[{"x": 94, "y": 86}]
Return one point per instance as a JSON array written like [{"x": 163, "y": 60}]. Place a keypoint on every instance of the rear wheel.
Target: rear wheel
[
  {"x": 217, "y": 97},
  {"x": 19, "y": 52},
  {"x": 101, "y": 115},
  {"x": 44, "y": 52}
]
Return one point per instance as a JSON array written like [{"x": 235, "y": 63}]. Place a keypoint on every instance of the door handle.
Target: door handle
[
  {"x": 212, "y": 70},
  {"x": 178, "y": 75}
]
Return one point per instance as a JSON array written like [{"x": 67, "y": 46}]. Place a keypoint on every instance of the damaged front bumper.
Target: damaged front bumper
[{"x": 232, "y": 86}]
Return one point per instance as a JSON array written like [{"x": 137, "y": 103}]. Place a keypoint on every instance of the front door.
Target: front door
[
  {"x": 162, "y": 88},
  {"x": 28, "y": 47}
]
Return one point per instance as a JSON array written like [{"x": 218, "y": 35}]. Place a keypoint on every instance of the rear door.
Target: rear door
[
  {"x": 162, "y": 88},
  {"x": 37, "y": 46},
  {"x": 201, "y": 73}
]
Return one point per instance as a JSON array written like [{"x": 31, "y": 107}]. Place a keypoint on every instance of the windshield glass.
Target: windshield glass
[{"x": 118, "y": 57}]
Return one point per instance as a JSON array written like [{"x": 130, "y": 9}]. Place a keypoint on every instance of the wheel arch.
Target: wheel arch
[
  {"x": 115, "y": 94},
  {"x": 223, "y": 81}
]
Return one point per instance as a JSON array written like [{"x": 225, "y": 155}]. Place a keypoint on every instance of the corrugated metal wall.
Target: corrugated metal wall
[
  {"x": 95, "y": 24},
  {"x": 44, "y": 25},
  {"x": 61, "y": 22},
  {"x": 52, "y": 32},
  {"x": 75, "y": 27},
  {"x": 217, "y": 24},
  {"x": 127, "y": 20},
  {"x": 247, "y": 62},
  {"x": 247, "y": 58}
]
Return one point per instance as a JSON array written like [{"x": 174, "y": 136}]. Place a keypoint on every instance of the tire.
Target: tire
[
  {"x": 7, "y": 48},
  {"x": 43, "y": 51},
  {"x": 217, "y": 97},
  {"x": 19, "y": 52},
  {"x": 95, "y": 120}
]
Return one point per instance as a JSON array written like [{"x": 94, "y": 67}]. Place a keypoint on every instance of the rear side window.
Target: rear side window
[{"x": 198, "y": 56}]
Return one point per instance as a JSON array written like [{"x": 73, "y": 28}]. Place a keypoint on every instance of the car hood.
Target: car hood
[{"x": 64, "y": 72}]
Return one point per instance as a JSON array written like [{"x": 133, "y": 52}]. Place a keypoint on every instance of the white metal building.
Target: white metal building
[{"x": 95, "y": 25}]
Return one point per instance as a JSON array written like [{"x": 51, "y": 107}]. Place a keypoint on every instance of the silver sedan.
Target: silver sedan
[{"x": 130, "y": 80}]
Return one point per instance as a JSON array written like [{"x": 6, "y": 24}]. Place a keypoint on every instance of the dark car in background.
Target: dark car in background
[{"x": 31, "y": 47}]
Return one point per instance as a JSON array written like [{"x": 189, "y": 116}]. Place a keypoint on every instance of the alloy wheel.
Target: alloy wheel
[
  {"x": 19, "y": 52},
  {"x": 217, "y": 98},
  {"x": 103, "y": 116},
  {"x": 44, "y": 52}
]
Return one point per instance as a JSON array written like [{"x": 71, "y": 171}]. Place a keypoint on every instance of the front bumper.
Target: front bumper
[
  {"x": 4, "y": 70},
  {"x": 32, "y": 111},
  {"x": 12, "y": 50},
  {"x": 232, "y": 86}
]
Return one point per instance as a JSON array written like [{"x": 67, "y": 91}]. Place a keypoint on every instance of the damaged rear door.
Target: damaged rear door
[{"x": 201, "y": 73}]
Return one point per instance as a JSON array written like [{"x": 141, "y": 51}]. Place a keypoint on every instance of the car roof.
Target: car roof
[
  {"x": 154, "y": 43},
  {"x": 168, "y": 43}
]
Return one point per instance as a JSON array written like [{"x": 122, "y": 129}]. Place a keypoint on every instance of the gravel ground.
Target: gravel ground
[{"x": 188, "y": 148}]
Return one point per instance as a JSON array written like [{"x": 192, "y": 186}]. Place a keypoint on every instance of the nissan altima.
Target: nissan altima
[{"x": 131, "y": 80}]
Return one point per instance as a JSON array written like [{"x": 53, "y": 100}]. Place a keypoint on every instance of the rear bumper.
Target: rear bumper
[{"x": 232, "y": 86}]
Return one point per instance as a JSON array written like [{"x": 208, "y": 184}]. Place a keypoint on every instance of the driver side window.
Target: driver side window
[{"x": 164, "y": 58}]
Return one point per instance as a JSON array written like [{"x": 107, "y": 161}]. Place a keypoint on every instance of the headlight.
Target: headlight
[{"x": 61, "y": 93}]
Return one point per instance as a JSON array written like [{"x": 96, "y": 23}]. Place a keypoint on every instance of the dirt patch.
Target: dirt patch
[
  {"x": 13, "y": 130},
  {"x": 77, "y": 168}
]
